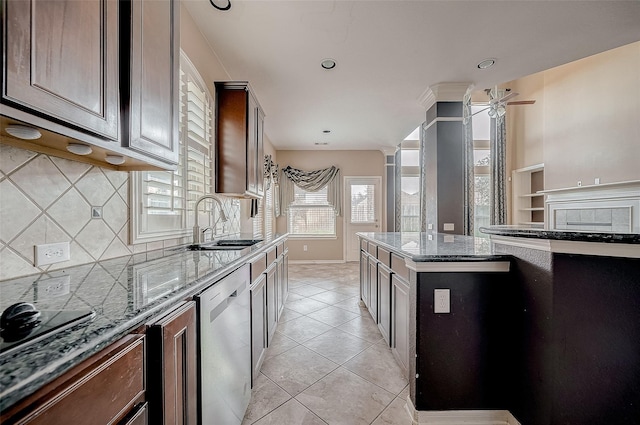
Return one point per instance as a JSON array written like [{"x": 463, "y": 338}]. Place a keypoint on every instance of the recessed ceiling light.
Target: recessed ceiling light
[
  {"x": 79, "y": 149},
  {"x": 321, "y": 143},
  {"x": 487, "y": 63},
  {"x": 326, "y": 131},
  {"x": 328, "y": 63},
  {"x": 23, "y": 132}
]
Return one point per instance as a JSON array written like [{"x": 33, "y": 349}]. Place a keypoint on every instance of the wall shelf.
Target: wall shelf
[{"x": 528, "y": 198}]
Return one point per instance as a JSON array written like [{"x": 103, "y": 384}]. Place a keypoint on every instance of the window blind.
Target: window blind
[
  {"x": 268, "y": 212},
  {"x": 310, "y": 214},
  {"x": 168, "y": 197}
]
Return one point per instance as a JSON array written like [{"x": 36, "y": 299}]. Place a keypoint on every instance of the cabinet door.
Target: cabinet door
[
  {"x": 172, "y": 357},
  {"x": 101, "y": 390},
  {"x": 259, "y": 152},
  {"x": 373, "y": 289},
  {"x": 258, "y": 329},
  {"x": 150, "y": 82},
  {"x": 400, "y": 321},
  {"x": 61, "y": 61},
  {"x": 364, "y": 278},
  {"x": 272, "y": 308},
  {"x": 279, "y": 289},
  {"x": 384, "y": 312},
  {"x": 252, "y": 147}
]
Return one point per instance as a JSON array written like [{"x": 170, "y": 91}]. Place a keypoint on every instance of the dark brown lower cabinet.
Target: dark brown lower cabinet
[
  {"x": 258, "y": 331},
  {"x": 400, "y": 321},
  {"x": 103, "y": 389},
  {"x": 272, "y": 306},
  {"x": 384, "y": 293},
  {"x": 373, "y": 289},
  {"x": 172, "y": 370},
  {"x": 364, "y": 278}
]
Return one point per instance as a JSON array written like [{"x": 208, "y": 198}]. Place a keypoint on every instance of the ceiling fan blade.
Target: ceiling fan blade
[
  {"x": 508, "y": 96},
  {"x": 521, "y": 102}
]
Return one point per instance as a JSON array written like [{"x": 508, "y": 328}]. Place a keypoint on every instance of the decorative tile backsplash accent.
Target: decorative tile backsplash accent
[
  {"x": 45, "y": 199},
  {"x": 594, "y": 219}
]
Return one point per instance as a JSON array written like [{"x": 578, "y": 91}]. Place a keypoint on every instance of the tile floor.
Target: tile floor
[{"x": 327, "y": 363}]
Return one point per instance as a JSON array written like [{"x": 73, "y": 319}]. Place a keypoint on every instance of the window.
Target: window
[
  {"x": 410, "y": 203},
  {"x": 311, "y": 215},
  {"x": 268, "y": 211},
  {"x": 410, "y": 185},
  {"x": 363, "y": 210},
  {"x": 481, "y": 172},
  {"x": 164, "y": 199}
]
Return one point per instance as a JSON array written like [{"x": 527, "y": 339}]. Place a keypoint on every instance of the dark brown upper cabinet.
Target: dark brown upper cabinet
[
  {"x": 61, "y": 62},
  {"x": 239, "y": 143},
  {"x": 150, "y": 77},
  {"x": 102, "y": 72}
]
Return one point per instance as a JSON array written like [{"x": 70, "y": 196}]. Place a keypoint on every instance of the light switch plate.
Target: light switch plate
[{"x": 442, "y": 301}]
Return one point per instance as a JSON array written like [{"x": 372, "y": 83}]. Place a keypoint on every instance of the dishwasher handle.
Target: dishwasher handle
[{"x": 217, "y": 311}]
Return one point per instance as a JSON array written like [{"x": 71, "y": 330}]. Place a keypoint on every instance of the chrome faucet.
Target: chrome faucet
[{"x": 197, "y": 236}]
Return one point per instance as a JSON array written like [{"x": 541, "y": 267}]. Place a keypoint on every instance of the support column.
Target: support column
[{"x": 443, "y": 159}]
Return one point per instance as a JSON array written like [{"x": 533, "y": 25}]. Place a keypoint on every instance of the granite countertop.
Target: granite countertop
[
  {"x": 563, "y": 235},
  {"x": 432, "y": 247},
  {"x": 124, "y": 292}
]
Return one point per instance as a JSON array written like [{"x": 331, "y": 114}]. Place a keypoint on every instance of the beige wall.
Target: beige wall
[
  {"x": 585, "y": 123},
  {"x": 351, "y": 163}
]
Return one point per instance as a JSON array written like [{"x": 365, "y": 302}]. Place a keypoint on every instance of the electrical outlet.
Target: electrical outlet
[
  {"x": 449, "y": 227},
  {"x": 597, "y": 180},
  {"x": 304, "y": 248},
  {"x": 51, "y": 253},
  {"x": 442, "y": 301}
]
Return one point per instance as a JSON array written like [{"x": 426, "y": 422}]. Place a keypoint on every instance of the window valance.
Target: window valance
[{"x": 311, "y": 181}]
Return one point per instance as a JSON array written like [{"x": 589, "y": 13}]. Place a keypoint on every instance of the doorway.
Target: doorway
[{"x": 363, "y": 211}]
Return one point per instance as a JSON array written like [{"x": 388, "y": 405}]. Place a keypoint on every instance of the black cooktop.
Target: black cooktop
[{"x": 49, "y": 323}]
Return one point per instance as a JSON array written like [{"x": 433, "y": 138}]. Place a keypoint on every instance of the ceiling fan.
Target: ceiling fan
[
  {"x": 498, "y": 101},
  {"x": 497, "y": 104}
]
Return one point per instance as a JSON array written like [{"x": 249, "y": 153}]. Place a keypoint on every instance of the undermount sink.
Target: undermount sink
[{"x": 224, "y": 244}]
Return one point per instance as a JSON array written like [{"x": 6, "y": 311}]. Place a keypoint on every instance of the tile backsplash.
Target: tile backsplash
[{"x": 44, "y": 199}]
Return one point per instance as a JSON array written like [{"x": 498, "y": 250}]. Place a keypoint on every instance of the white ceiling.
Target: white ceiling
[{"x": 389, "y": 53}]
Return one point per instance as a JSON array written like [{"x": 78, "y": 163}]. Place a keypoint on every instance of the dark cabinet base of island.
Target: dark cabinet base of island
[{"x": 464, "y": 359}]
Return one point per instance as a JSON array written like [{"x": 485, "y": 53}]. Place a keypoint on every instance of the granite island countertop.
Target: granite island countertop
[
  {"x": 435, "y": 247},
  {"x": 124, "y": 292},
  {"x": 561, "y": 235}
]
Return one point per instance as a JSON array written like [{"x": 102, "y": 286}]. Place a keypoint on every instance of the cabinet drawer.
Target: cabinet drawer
[
  {"x": 364, "y": 245},
  {"x": 399, "y": 266},
  {"x": 99, "y": 391},
  {"x": 384, "y": 256},
  {"x": 258, "y": 266},
  {"x": 372, "y": 249},
  {"x": 280, "y": 249},
  {"x": 271, "y": 256}
]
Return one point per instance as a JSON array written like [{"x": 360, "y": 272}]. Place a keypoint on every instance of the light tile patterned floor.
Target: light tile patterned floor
[{"x": 328, "y": 363}]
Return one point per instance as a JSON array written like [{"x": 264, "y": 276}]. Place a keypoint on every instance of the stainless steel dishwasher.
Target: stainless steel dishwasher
[{"x": 225, "y": 349}]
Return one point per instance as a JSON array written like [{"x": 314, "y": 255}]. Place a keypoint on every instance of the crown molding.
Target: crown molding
[{"x": 443, "y": 92}]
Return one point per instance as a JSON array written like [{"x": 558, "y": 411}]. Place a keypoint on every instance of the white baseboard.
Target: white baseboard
[
  {"x": 316, "y": 261},
  {"x": 459, "y": 417}
]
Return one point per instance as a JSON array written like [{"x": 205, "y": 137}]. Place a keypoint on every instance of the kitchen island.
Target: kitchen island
[
  {"x": 126, "y": 293},
  {"x": 552, "y": 338},
  {"x": 443, "y": 304}
]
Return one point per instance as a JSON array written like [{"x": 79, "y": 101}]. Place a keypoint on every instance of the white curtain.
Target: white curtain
[
  {"x": 469, "y": 166},
  {"x": 311, "y": 181},
  {"x": 498, "y": 164}
]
